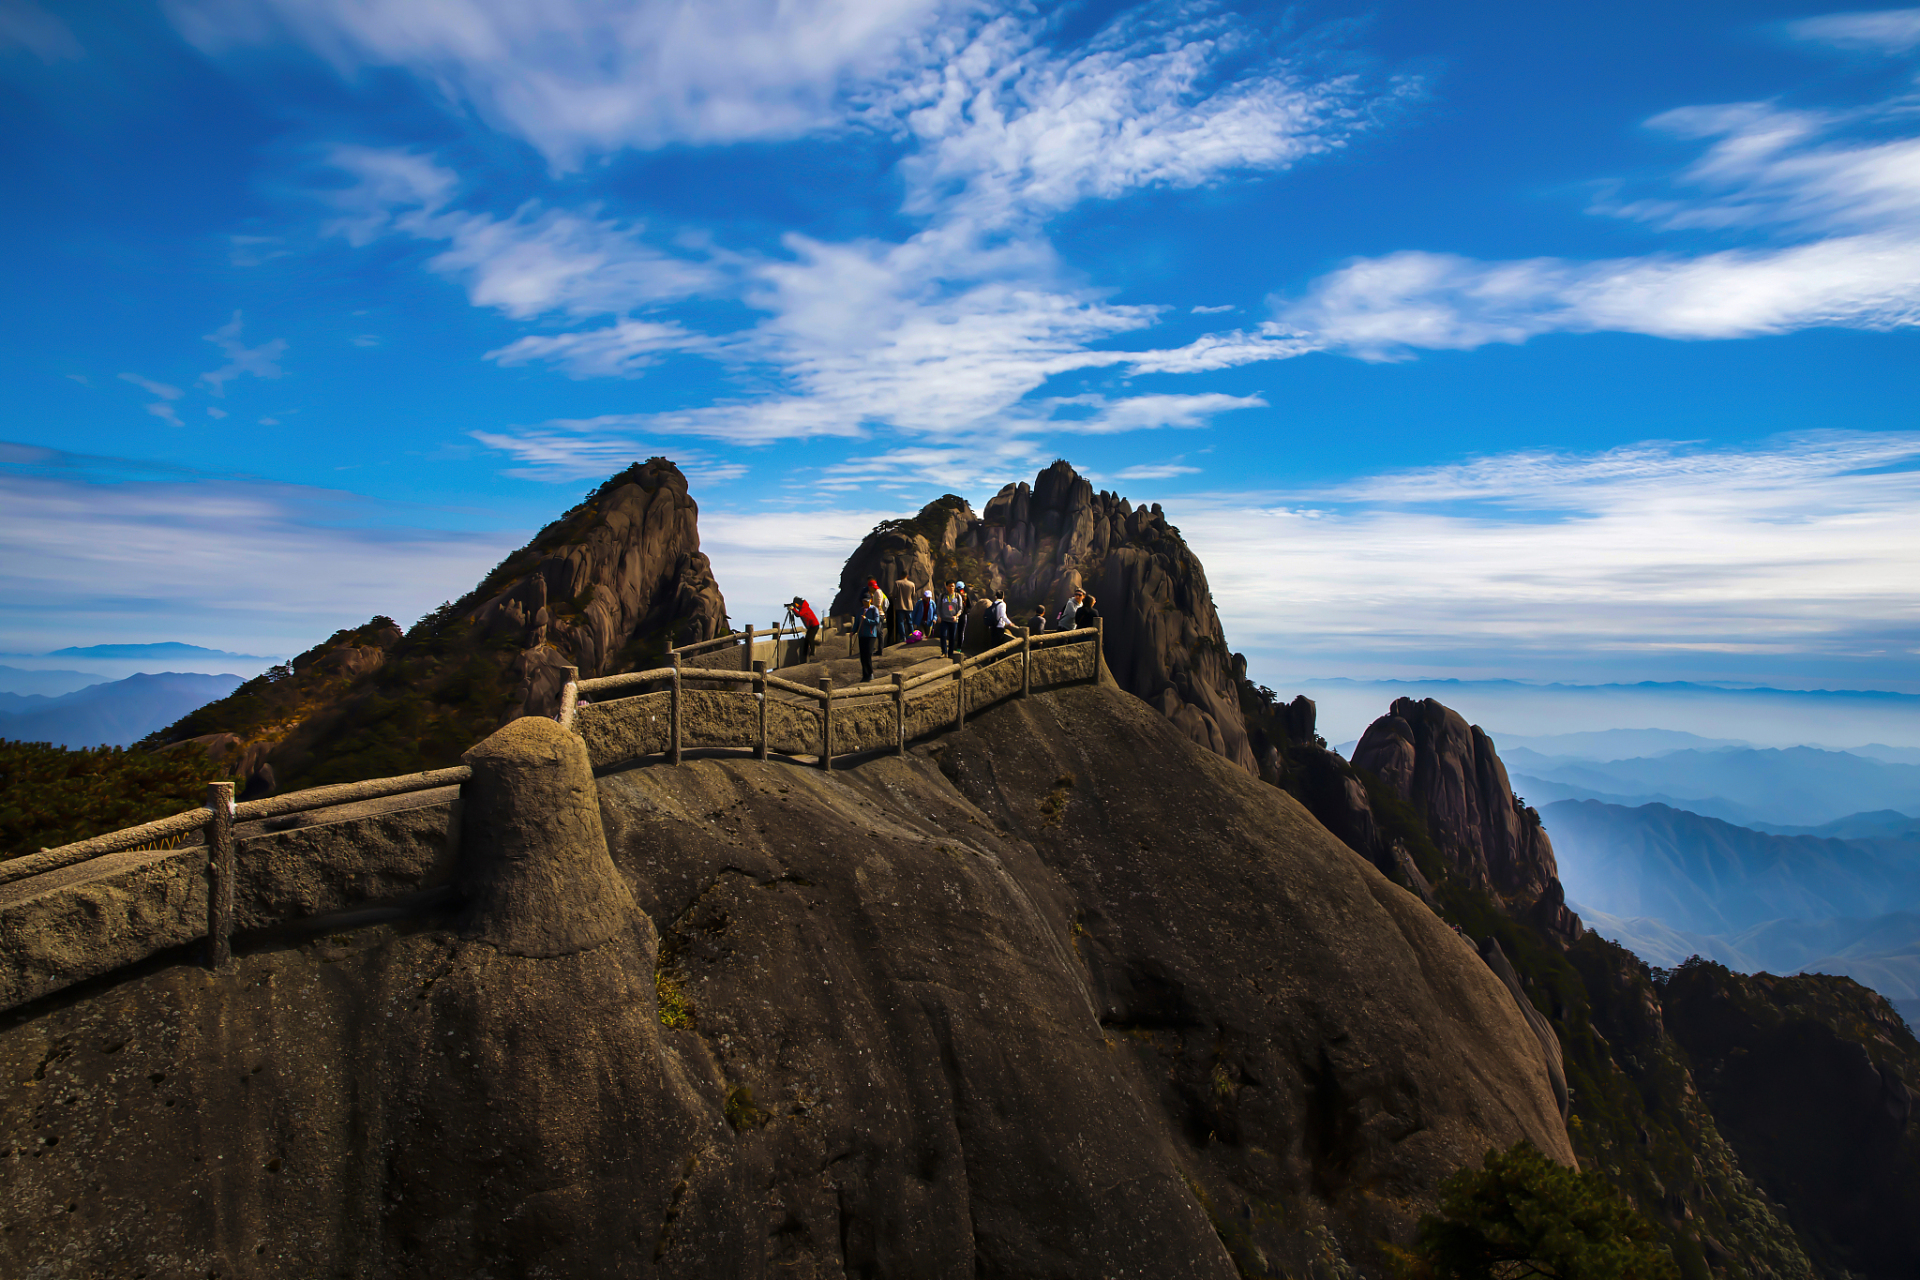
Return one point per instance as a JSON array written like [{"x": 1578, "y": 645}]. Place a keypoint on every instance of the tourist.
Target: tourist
[
  {"x": 872, "y": 629},
  {"x": 948, "y": 608},
  {"x": 960, "y": 619},
  {"x": 1038, "y": 622},
  {"x": 878, "y": 598},
  {"x": 802, "y": 612},
  {"x": 904, "y": 597},
  {"x": 1086, "y": 615},
  {"x": 925, "y": 614},
  {"x": 998, "y": 623}
]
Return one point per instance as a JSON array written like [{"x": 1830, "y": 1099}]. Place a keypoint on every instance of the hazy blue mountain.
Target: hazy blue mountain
[
  {"x": 1879, "y": 824},
  {"x": 1541, "y": 792},
  {"x": 161, "y": 650},
  {"x": 1892, "y": 755},
  {"x": 1795, "y": 786},
  {"x": 1609, "y": 744},
  {"x": 22, "y": 682},
  {"x": 1700, "y": 875},
  {"x": 117, "y": 713}
]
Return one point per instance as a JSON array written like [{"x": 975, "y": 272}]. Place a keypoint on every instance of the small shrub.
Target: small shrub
[
  {"x": 676, "y": 1009},
  {"x": 1521, "y": 1215}
]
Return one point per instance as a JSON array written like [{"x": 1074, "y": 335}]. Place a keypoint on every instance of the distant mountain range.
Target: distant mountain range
[
  {"x": 115, "y": 713},
  {"x": 163, "y": 649},
  {"x": 1791, "y": 787}
]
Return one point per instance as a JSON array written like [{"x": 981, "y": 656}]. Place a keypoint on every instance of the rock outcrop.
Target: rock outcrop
[
  {"x": 1060, "y": 994},
  {"x": 1429, "y": 757},
  {"x": 1037, "y": 544},
  {"x": 609, "y": 586}
]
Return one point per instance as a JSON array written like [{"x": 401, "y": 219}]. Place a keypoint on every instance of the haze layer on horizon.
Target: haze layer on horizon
[{"x": 1508, "y": 343}]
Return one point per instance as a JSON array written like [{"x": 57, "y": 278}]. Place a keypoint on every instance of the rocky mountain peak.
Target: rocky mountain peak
[
  {"x": 1428, "y": 756},
  {"x": 1036, "y": 544}
]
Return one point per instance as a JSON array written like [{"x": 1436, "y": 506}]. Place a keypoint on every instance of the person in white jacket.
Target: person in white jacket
[{"x": 997, "y": 622}]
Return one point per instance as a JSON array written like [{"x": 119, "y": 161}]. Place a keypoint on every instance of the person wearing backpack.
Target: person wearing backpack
[
  {"x": 925, "y": 614},
  {"x": 948, "y": 611},
  {"x": 873, "y": 623},
  {"x": 802, "y": 611},
  {"x": 998, "y": 623},
  {"x": 878, "y": 598}
]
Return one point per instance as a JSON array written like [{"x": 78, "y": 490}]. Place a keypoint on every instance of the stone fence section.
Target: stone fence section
[{"x": 338, "y": 853}]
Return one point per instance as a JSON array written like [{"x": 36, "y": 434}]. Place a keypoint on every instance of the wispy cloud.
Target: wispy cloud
[
  {"x": 152, "y": 388},
  {"x": 1803, "y": 546},
  {"x": 619, "y": 350},
  {"x": 1882, "y": 31},
  {"x": 28, "y": 26},
  {"x": 107, "y": 549},
  {"x": 594, "y": 448},
  {"x": 262, "y": 361},
  {"x": 579, "y": 79},
  {"x": 1156, "y": 471},
  {"x": 1214, "y": 311},
  {"x": 1841, "y": 202}
]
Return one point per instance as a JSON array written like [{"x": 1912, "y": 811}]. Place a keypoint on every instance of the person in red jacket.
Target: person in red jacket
[{"x": 802, "y": 611}]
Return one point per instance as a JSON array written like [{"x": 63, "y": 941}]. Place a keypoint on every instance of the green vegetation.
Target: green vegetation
[
  {"x": 50, "y": 796},
  {"x": 742, "y": 1113},
  {"x": 676, "y": 1008},
  {"x": 1522, "y": 1215}
]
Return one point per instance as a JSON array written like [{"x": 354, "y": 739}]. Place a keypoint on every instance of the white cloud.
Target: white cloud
[
  {"x": 1144, "y": 412},
  {"x": 531, "y": 263},
  {"x": 214, "y": 411},
  {"x": 241, "y": 565},
  {"x": 576, "y": 77},
  {"x": 165, "y": 412},
  {"x": 1156, "y": 471},
  {"x": 1805, "y": 546},
  {"x": 262, "y": 361},
  {"x": 152, "y": 388},
  {"x": 1849, "y": 211},
  {"x": 26, "y": 24},
  {"x": 594, "y": 449},
  {"x": 1009, "y": 128},
  {"x": 763, "y": 558},
  {"x": 251, "y": 251},
  {"x": 619, "y": 350},
  {"x": 1882, "y": 31},
  {"x": 1214, "y": 311}
]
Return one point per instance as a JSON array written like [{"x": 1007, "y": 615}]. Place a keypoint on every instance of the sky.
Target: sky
[{"x": 1510, "y": 341}]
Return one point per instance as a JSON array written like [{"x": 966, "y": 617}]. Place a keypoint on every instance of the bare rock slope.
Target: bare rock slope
[
  {"x": 1060, "y": 994},
  {"x": 1037, "y": 544},
  {"x": 611, "y": 584}
]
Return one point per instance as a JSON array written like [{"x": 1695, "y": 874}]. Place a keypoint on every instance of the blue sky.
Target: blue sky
[{"x": 1544, "y": 342}]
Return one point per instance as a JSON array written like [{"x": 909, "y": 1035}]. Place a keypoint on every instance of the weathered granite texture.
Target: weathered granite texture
[
  {"x": 1067, "y": 996},
  {"x": 99, "y": 916},
  {"x": 1448, "y": 770},
  {"x": 1037, "y": 544}
]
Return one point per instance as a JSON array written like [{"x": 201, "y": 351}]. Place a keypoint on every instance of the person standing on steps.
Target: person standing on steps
[
  {"x": 1063, "y": 620},
  {"x": 799, "y": 610},
  {"x": 925, "y": 614},
  {"x": 873, "y": 624},
  {"x": 948, "y": 608},
  {"x": 998, "y": 623},
  {"x": 904, "y": 596},
  {"x": 1086, "y": 615},
  {"x": 1038, "y": 622},
  {"x": 878, "y": 598},
  {"x": 963, "y": 602}
]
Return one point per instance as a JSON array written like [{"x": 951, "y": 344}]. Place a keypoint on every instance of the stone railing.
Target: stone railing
[{"x": 87, "y": 908}]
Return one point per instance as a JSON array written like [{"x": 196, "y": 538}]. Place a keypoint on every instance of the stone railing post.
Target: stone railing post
[
  {"x": 746, "y": 658},
  {"x": 1026, "y": 663},
  {"x": 760, "y": 692},
  {"x": 673, "y": 712},
  {"x": 826, "y": 724},
  {"x": 853, "y": 625},
  {"x": 569, "y": 696},
  {"x": 1099, "y": 646},
  {"x": 219, "y": 873},
  {"x": 899, "y": 714},
  {"x": 960, "y": 693}
]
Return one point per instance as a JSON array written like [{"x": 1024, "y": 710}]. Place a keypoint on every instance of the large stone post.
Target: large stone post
[
  {"x": 219, "y": 873},
  {"x": 533, "y": 867}
]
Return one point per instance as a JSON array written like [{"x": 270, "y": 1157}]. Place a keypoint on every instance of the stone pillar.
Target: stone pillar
[
  {"x": 569, "y": 695},
  {"x": 960, "y": 693},
  {"x": 533, "y": 869},
  {"x": 746, "y": 657},
  {"x": 826, "y": 724},
  {"x": 673, "y": 712},
  {"x": 760, "y": 692},
  {"x": 899, "y": 714},
  {"x": 219, "y": 873},
  {"x": 1026, "y": 662}
]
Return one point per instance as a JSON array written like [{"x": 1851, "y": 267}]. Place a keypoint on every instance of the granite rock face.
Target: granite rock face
[
  {"x": 1428, "y": 756},
  {"x": 1060, "y": 994},
  {"x": 1037, "y": 544}
]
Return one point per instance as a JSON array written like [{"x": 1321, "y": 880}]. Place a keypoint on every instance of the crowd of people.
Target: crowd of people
[{"x": 914, "y": 615}]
